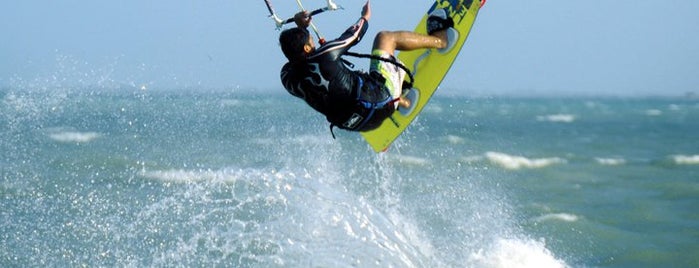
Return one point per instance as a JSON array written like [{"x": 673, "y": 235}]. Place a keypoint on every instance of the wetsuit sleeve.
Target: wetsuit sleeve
[
  {"x": 348, "y": 39},
  {"x": 356, "y": 32}
]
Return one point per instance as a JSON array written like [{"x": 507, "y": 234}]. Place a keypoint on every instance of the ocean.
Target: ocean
[{"x": 188, "y": 178}]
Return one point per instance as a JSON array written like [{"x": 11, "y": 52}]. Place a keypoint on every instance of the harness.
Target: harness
[{"x": 364, "y": 111}]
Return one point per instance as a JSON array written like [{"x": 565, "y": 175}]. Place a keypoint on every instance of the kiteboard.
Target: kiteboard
[{"x": 429, "y": 67}]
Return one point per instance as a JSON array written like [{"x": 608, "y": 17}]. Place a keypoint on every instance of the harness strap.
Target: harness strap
[
  {"x": 348, "y": 63},
  {"x": 366, "y": 120},
  {"x": 392, "y": 61},
  {"x": 331, "y": 130},
  {"x": 373, "y": 106}
]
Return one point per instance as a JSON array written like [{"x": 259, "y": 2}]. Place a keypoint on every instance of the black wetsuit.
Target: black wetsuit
[{"x": 349, "y": 99}]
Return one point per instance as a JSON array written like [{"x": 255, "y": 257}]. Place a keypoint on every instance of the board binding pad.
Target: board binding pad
[{"x": 429, "y": 67}]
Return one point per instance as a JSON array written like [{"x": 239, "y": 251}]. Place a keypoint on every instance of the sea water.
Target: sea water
[{"x": 129, "y": 177}]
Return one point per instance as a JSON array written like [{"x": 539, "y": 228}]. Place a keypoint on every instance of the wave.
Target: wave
[
  {"x": 433, "y": 108},
  {"x": 518, "y": 162},
  {"x": 610, "y": 161},
  {"x": 517, "y": 253},
  {"x": 409, "y": 160},
  {"x": 191, "y": 176},
  {"x": 74, "y": 136},
  {"x": 557, "y": 118},
  {"x": 312, "y": 219},
  {"x": 302, "y": 140},
  {"x": 653, "y": 112},
  {"x": 453, "y": 139},
  {"x": 472, "y": 159},
  {"x": 686, "y": 159},
  {"x": 231, "y": 102},
  {"x": 292, "y": 219},
  {"x": 557, "y": 217}
]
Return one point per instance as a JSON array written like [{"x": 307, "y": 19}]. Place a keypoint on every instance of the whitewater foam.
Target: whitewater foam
[
  {"x": 557, "y": 118},
  {"x": 187, "y": 176},
  {"x": 305, "y": 215},
  {"x": 653, "y": 112},
  {"x": 453, "y": 139},
  {"x": 231, "y": 102},
  {"x": 472, "y": 159},
  {"x": 518, "y": 162},
  {"x": 433, "y": 108},
  {"x": 514, "y": 253},
  {"x": 409, "y": 160},
  {"x": 686, "y": 159},
  {"x": 610, "y": 161},
  {"x": 74, "y": 136},
  {"x": 557, "y": 217}
]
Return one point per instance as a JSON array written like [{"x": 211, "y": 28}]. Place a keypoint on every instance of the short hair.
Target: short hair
[{"x": 292, "y": 41}]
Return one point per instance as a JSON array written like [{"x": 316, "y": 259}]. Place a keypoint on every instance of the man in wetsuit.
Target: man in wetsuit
[{"x": 353, "y": 100}]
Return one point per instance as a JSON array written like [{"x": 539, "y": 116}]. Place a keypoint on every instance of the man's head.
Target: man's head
[{"x": 296, "y": 44}]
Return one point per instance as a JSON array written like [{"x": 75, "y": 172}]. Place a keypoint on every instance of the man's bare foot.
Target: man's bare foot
[
  {"x": 409, "y": 101},
  {"x": 443, "y": 37},
  {"x": 440, "y": 25},
  {"x": 404, "y": 102}
]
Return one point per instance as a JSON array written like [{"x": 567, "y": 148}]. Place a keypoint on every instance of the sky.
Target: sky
[{"x": 549, "y": 47}]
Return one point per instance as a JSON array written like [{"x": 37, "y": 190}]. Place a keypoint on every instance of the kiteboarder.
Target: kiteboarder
[{"x": 350, "y": 99}]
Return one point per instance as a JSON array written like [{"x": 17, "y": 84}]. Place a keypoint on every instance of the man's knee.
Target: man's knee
[
  {"x": 385, "y": 35},
  {"x": 385, "y": 40}
]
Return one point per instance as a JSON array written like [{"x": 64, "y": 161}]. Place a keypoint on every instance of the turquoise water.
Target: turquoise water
[{"x": 137, "y": 178}]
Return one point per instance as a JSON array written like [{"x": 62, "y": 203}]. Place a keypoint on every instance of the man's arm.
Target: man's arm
[{"x": 349, "y": 38}]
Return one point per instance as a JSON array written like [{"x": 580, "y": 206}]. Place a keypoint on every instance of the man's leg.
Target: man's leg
[
  {"x": 404, "y": 40},
  {"x": 389, "y": 42}
]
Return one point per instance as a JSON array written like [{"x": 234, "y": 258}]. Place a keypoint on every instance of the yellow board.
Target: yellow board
[{"x": 429, "y": 67}]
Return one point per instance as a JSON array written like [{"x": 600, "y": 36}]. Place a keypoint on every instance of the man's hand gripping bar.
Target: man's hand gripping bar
[{"x": 279, "y": 22}]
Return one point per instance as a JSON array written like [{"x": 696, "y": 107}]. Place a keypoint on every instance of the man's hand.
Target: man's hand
[
  {"x": 366, "y": 11},
  {"x": 302, "y": 19}
]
